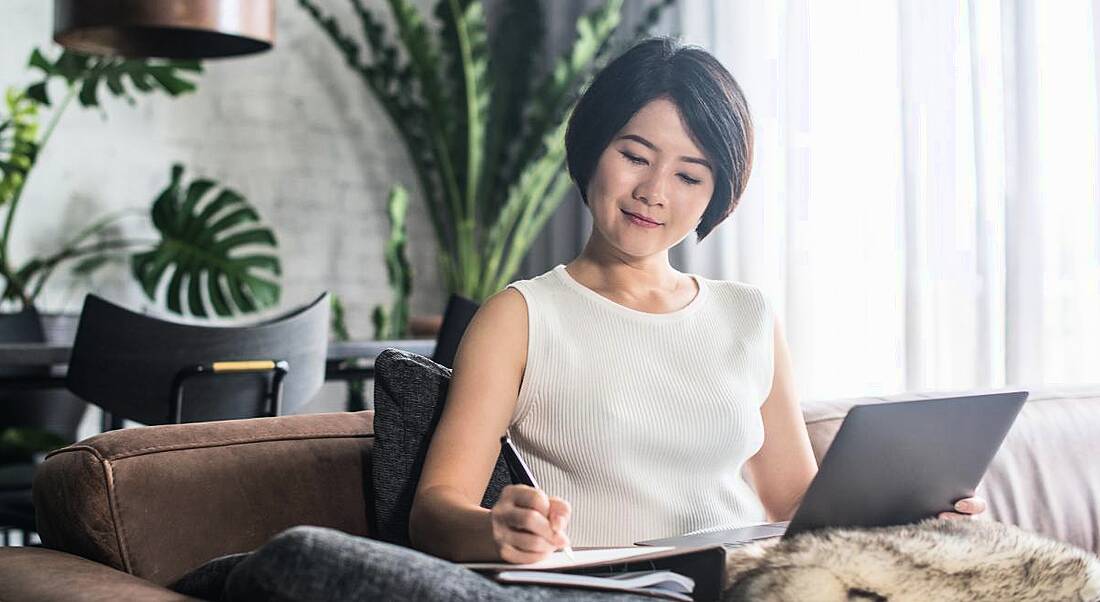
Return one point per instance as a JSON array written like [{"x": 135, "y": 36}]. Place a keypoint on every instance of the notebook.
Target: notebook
[
  {"x": 657, "y": 584},
  {"x": 702, "y": 565}
]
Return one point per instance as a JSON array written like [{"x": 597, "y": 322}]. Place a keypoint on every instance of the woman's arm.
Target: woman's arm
[
  {"x": 446, "y": 518},
  {"x": 783, "y": 468}
]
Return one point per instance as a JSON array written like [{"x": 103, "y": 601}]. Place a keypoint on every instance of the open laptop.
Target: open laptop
[{"x": 891, "y": 464}]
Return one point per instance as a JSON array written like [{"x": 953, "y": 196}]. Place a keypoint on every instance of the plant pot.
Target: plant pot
[{"x": 425, "y": 327}]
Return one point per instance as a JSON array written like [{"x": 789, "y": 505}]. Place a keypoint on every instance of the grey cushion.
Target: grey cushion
[{"x": 409, "y": 393}]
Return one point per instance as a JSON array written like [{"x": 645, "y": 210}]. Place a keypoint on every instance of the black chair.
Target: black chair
[
  {"x": 54, "y": 413},
  {"x": 456, "y": 318},
  {"x": 154, "y": 371}
]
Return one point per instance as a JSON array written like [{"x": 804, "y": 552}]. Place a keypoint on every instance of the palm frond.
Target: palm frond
[
  {"x": 561, "y": 87},
  {"x": 514, "y": 49}
]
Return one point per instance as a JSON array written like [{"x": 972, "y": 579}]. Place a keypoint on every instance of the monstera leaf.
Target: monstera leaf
[
  {"x": 212, "y": 243},
  {"x": 89, "y": 72}
]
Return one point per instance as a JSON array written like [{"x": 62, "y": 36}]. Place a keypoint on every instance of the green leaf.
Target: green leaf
[
  {"x": 88, "y": 96},
  {"x": 38, "y": 93},
  {"x": 18, "y": 156},
  {"x": 114, "y": 84},
  {"x": 439, "y": 110},
  {"x": 169, "y": 82},
  {"x": 474, "y": 49},
  {"x": 39, "y": 61},
  {"x": 571, "y": 72},
  {"x": 90, "y": 265},
  {"x": 396, "y": 88},
  {"x": 398, "y": 269},
  {"x": 198, "y": 250},
  {"x": 515, "y": 47},
  {"x": 89, "y": 72},
  {"x": 524, "y": 198}
]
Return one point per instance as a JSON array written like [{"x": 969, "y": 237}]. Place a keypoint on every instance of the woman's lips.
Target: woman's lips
[{"x": 639, "y": 220}]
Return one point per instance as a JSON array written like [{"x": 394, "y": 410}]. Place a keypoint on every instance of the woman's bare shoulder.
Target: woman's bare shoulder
[
  {"x": 500, "y": 326},
  {"x": 506, "y": 309}
]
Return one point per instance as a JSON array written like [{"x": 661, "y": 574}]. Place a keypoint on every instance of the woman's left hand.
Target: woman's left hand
[{"x": 969, "y": 507}]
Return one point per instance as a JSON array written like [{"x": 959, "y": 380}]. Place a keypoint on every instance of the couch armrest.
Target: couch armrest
[
  {"x": 158, "y": 501},
  {"x": 33, "y": 574}
]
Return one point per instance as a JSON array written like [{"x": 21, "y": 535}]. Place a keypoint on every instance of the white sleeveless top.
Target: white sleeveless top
[{"x": 644, "y": 421}]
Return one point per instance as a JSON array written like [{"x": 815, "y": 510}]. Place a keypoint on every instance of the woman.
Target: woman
[{"x": 636, "y": 393}]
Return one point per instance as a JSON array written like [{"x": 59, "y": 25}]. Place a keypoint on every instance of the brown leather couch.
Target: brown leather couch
[{"x": 126, "y": 513}]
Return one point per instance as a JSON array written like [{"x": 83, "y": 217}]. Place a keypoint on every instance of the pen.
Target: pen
[{"x": 522, "y": 475}]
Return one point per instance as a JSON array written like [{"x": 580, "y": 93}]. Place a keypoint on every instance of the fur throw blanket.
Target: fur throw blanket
[{"x": 933, "y": 560}]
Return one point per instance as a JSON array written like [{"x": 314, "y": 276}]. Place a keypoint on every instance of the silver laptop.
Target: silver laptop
[{"x": 891, "y": 464}]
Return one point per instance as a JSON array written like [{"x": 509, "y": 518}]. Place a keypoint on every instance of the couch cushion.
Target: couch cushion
[
  {"x": 36, "y": 574},
  {"x": 1043, "y": 478},
  {"x": 158, "y": 501},
  {"x": 409, "y": 393}
]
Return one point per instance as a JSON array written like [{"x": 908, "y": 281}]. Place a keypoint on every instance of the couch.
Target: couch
[{"x": 125, "y": 513}]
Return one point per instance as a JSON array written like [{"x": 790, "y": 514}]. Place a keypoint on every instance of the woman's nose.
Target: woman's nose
[{"x": 651, "y": 190}]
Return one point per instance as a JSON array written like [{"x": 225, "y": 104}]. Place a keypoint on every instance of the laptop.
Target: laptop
[{"x": 891, "y": 464}]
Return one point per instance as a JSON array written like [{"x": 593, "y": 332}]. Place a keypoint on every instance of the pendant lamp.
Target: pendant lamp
[{"x": 176, "y": 29}]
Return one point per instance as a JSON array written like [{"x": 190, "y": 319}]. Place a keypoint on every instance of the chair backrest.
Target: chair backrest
[
  {"x": 125, "y": 362},
  {"x": 456, "y": 318},
  {"x": 56, "y": 411}
]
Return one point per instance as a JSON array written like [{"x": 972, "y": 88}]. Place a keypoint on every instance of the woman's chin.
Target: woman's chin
[{"x": 633, "y": 249}]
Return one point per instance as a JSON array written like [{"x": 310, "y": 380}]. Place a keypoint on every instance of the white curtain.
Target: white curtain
[{"x": 923, "y": 208}]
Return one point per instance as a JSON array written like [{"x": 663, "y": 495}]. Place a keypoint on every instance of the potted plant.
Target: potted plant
[
  {"x": 485, "y": 133},
  {"x": 202, "y": 226},
  {"x": 202, "y": 229}
]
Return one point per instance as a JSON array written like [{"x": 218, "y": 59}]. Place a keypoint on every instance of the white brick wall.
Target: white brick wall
[{"x": 292, "y": 129}]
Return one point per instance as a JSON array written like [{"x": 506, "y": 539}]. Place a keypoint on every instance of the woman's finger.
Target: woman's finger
[
  {"x": 509, "y": 553},
  {"x": 522, "y": 519},
  {"x": 528, "y": 542},
  {"x": 560, "y": 511},
  {"x": 528, "y": 497},
  {"x": 971, "y": 505},
  {"x": 953, "y": 516}
]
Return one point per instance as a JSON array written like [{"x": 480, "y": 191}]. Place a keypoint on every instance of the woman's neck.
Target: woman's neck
[{"x": 609, "y": 272}]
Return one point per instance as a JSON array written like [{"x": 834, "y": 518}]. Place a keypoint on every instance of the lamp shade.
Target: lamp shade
[{"x": 176, "y": 29}]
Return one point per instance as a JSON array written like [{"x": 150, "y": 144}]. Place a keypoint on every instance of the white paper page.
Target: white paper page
[{"x": 558, "y": 560}]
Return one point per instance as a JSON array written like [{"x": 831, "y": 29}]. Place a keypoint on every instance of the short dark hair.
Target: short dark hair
[{"x": 708, "y": 98}]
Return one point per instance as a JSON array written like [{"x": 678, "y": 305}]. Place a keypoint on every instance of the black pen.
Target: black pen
[{"x": 521, "y": 475}]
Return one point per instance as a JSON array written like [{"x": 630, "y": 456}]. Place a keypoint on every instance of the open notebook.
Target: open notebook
[
  {"x": 584, "y": 558},
  {"x": 658, "y": 584},
  {"x": 681, "y": 572}
]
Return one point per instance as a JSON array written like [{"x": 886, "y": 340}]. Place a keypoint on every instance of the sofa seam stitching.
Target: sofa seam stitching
[
  {"x": 76, "y": 448},
  {"x": 116, "y": 517},
  {"x": 222, "y": 443}
]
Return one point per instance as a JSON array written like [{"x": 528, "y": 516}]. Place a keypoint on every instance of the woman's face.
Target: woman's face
[{"x": 651, "y": 185}]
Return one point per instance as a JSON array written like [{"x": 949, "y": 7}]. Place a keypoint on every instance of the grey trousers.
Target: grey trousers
[{"x": 317, "y": 564}]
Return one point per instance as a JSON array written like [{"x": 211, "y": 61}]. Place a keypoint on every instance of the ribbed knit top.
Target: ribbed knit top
[{"x": 644, "y": 421}]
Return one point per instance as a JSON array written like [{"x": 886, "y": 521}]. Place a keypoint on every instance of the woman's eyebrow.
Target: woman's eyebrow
[{"x": 653, "y": 147}]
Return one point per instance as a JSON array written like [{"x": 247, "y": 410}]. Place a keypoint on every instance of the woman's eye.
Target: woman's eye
[
  {"x": 635, "y": 159},
  {"x": 690, "y": 180}
]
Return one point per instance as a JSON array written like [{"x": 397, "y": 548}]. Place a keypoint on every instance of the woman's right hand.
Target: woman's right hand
[{"x": 528, "y": 525}]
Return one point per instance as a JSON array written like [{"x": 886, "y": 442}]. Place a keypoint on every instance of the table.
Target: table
[
  {"x": 346, "y": 360},
  {"x": 340, "y": 361}
]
